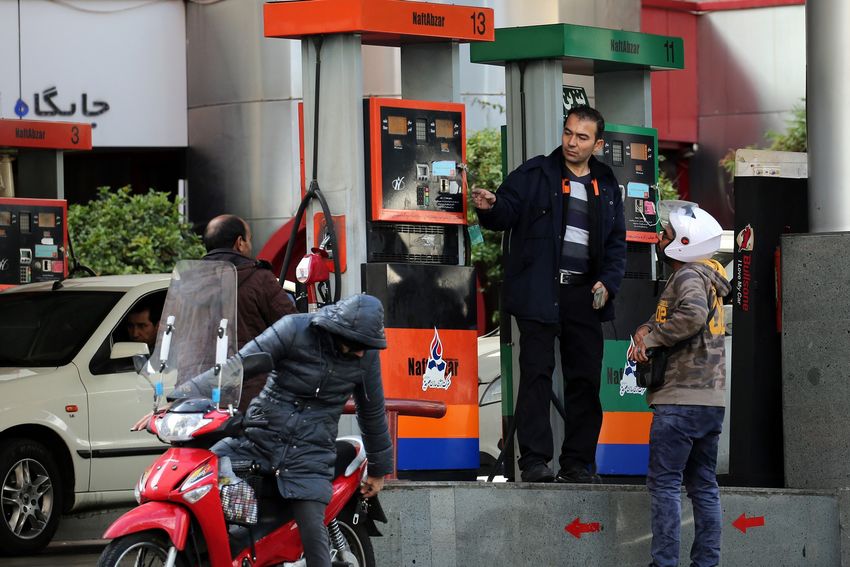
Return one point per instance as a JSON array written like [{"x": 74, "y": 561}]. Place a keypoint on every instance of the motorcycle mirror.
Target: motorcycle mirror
[{"x": 257, "y": 363}]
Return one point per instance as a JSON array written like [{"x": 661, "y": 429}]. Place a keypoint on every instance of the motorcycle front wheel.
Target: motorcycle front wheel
[
  {"x": 147, "y": 549},
  {"x": 357, "y": 536}
]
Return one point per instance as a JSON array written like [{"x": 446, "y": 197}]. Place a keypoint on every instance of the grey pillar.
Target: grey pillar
[
  {"x": 624, "y": 97},
  {"x": 534, "y": 96},
  {"x": 828, "y": 114},
  {"x": 340, "y": 155},
  {"x": 430, "y": 71},
  {"x": 535, "y": 113}
]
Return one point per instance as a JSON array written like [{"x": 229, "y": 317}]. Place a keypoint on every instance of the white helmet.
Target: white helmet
[{"x": 697, "y": 234}]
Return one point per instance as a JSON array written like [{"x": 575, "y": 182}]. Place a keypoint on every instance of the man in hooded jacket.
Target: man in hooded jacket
[
  {"x": 689, "y": 406},
  {"x": 320, "y": 360}
]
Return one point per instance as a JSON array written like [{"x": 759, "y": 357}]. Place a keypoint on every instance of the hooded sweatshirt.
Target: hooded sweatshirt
[{"x": 696, "y": 373}]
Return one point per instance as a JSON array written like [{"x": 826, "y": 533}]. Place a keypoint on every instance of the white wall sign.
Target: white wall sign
[{"x": 117, "y": 64}]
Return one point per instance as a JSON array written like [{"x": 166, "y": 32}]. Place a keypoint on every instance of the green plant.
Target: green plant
[
  {"x": 665, "y": 186},
  {"x": 123, "y": 233},
  {"x": 794, "y": 139},
  {"x": 484, "y": 158}
]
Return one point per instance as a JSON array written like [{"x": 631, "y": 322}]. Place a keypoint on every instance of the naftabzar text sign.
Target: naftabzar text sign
[{"x": 43, "y": 134}]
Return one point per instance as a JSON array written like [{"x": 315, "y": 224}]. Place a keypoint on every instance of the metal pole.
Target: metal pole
[{"x": 828, "y": 114}]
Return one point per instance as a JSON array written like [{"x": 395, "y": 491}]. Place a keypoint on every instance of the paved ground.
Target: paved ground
[{"x": 66, "y": 554}]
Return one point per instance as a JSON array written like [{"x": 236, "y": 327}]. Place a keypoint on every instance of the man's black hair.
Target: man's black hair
[
  {"x": 223, "y": 232},
  {"x": 585, "y": 112},
  {"x": 150, "y": 304}
]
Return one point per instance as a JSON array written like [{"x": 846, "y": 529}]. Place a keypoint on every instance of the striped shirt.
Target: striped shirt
[{"x": 575, "y": 252}]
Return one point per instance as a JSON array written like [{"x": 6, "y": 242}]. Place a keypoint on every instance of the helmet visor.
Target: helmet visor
[{"x": 666, "y": 207}]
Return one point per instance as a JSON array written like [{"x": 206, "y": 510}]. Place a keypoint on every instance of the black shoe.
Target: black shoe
[
  {"x": 578, "y": 476},
  {"x": 537, "y": 473}
]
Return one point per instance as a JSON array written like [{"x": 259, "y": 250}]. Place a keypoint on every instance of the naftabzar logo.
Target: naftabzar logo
[
  {"x": 746, "y": 239},
  {"x": 438, "y": 372}
]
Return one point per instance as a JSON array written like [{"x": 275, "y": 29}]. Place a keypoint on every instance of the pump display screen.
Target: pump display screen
[
  {"x": 414, "y": 171},
  {"x": 639, "y": 151},
  {"x": 5, "y": 218},
  {"x": 631, "y": 152},
  {"x": 46, "y": 220},
  {"x": 445, "y": 128},
  {"x": 397, "y": 125}
]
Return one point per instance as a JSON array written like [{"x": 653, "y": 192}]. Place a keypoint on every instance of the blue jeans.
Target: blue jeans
[{"x": 683, "y": 445}]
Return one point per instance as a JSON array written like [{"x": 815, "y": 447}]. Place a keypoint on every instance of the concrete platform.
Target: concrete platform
[
  {"x": 488, "y": 525},
  {"x": 476, "y": 524}
]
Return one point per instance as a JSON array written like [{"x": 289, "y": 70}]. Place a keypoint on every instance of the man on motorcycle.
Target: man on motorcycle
[{"x": 320, "y": 359}]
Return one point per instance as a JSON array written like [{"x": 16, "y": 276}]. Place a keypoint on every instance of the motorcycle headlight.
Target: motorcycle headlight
[{"x": 179, "y": 426}]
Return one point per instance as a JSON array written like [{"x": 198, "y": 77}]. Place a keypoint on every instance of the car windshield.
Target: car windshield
[{"x": 49, "y": 328}]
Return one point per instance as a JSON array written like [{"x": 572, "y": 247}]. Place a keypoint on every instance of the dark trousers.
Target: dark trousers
[
  {"x": 310, "y": 517},
  {"x": 581, "y": 360}
]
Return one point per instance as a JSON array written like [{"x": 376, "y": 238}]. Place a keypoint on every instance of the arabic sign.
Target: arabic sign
[
  {"x": 121, "y": 71},
  {"x": 50, "y": 108}
]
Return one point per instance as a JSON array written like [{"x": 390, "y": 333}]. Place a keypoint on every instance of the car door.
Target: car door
[{"x": 116, "y": 402}]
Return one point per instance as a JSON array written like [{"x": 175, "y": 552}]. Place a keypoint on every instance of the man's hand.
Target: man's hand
[
  {"x": 142, "y": 424},
  {"x": 637, "y": 352},
  {"x": 483, "y": 199},
  {"x": 601, "y": 299},
  {"x": 371, "y": 486}
]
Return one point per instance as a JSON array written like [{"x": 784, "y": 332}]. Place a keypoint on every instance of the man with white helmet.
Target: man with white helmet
[{"x": 689, "y": 406}]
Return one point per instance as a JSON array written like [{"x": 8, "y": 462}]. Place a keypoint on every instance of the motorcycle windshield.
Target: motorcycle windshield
[{"x": 196, "y": 336}]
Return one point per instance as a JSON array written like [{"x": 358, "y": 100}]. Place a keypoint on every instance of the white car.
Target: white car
[
  {"x": 66, "y": 406},
  {"x": 489, "y": 401}
]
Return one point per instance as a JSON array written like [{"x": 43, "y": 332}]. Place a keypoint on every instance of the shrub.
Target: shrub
[{"x": 124, "y": 233}]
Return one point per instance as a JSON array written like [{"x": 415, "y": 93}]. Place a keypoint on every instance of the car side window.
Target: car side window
[{"x": 139, "y": 324}]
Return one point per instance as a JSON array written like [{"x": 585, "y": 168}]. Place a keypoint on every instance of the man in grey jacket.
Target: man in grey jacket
[
  {"x": 320, "y": 360},
  {"x": 689, "y": 406}
]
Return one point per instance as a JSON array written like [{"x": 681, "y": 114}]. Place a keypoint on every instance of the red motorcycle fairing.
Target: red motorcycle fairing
[
  {"x": 172, "y": 467},
  {"x": 173, "y": 520}
]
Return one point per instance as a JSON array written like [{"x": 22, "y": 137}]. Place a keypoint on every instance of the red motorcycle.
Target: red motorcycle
[{"x": 194, "y": 507}]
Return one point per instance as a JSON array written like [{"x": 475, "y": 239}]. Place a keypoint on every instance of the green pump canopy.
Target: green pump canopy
[{"x": 584, "y": 50}]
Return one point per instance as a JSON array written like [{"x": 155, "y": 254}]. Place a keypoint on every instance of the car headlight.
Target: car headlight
[
  {"x": 493, "y": 393},
  {"x": 179, "y": 426}
]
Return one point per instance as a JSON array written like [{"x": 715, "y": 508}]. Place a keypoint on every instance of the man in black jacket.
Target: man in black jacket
[{"x": 564, "y": 259}]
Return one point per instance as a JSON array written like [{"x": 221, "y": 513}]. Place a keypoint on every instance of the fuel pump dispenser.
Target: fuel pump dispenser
[
  {"x": 393, "y": 168},
  {"x": 33, "y": 217},
  {"x": 535, "y": 59}
]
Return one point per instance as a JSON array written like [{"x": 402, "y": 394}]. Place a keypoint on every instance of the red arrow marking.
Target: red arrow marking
[
  {"x": 743, "y": 522},
  {"x": 576, "y": 528}
]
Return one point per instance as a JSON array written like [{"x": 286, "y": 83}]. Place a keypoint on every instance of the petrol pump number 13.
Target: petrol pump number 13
[{"x": 479, "y": 23}]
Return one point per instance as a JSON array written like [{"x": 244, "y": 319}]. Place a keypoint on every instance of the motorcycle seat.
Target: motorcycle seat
[{"x": 345, "y": 454}]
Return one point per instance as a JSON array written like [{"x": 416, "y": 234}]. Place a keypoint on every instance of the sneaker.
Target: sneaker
[
  {"x": 578, "y": 476},
  {"x": 537, "y": 473}
]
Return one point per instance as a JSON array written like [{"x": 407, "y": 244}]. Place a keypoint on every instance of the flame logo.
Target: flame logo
[
  {"x": 435, "y": 374},
  {"x": 436, "y": 360}
]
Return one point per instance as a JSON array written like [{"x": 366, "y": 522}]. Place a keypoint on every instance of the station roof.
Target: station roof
[
  {"x": 380, "y": 22},
  {"x": 584, "y": 50}
]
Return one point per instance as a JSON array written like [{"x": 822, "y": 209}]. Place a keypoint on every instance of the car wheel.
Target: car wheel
[{"x": 30, "y": 496}]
